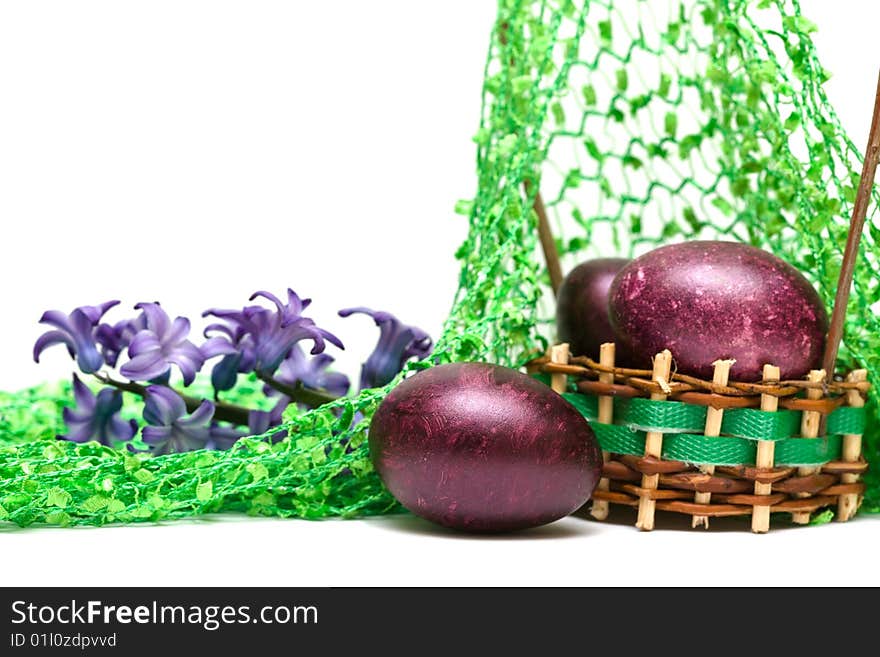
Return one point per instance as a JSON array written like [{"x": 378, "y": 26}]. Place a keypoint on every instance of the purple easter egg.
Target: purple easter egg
[
  {"x": 582, "y": 309},
  {"x": 707, "y": 300},
  {"x": 483, "y": 448}
]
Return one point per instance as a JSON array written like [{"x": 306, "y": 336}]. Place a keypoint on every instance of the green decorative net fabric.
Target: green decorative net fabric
[{"x": 641, "y": 123}]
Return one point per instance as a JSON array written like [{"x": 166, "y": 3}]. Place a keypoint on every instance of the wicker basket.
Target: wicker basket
[{"x": 717, "y": 448}]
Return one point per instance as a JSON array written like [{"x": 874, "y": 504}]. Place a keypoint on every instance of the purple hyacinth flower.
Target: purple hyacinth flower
[
  {"x": 260, "y": 422},
  {"x": 96, "y": 417},
  {"x": 282, "y": 330},
  {"x": 77, "y": 332},
  {"x": 311, "y": 373},
  {"x": 170, "y": 429},
  {"x": 224, "y": 436},
  {"x": 225, "y": 372},
  {"x": 159, "y": 346},
  {"x": 239, "y": 357},
  {"x": 116, "y": 338},
  {"x": 397, "y": 344},
  {"x": 265, "y": 337}
]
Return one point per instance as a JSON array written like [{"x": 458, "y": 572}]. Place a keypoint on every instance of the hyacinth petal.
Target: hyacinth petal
[
  {"x": 188, "y": 358},
  {"x": 157, "y": 319},
  {"x": 421, "y": 349},
  {"x": 120, "y": 429},
  {"x": 96, "y": 416},
  {"x": 200, "y": 417},
  {"x": 110, "y": 342},
  {"x": 321, "y": 361},
  {"x": 217, "y": 346},
  {"x": 379, "y": 316},
  {"x": 271, "y": 297},
  {"x": 57, "y": 319},
  {"x": 219, "y": 328},
  {"x": 153, "y": 435},
  {"x": 95, "y": 313},
  {"x": 397, "y": 343},
  {"x": 83, "y": 397},
  {"x": 187, "y": 369},
  {"x": 105, "y": 333},
  {"x": 143, "y": 342},
  {"x": 302, "y": 329},
  {"x": 248, "y": 358},
  {"x": 336, "y": 383},
  {"x": 378, "y": 371},
  {"x": 78, "y": 432},
  {"x": 228, "y": 313},
  {"x": 145, "y": 367},
  {"x": 258, "y": 422},
  {"x": 269, "y": 359},
  {"x": 195, "y": 438},
  {"x": 184, "y": 443},
  {"x": 81, "y": 323},
  {"x": 225, "y": 372},
  {"x": 74, "y": 415},
  {"x": 295, "y": 305},
  {"x": 318, "y": 346},
  {"x": 332, "y": 339},
  {"x": 163, "y": 406},
  {"x": 311, "y": 372},
  {"x": 224, "y": 437},
  {"x": 116, "y": 338},
  {"x": 179, "y": 330},
  {"x": 88, "y": 359},
  {"x": 51, "y": 338},
  {"x": 109, "y": 401}
]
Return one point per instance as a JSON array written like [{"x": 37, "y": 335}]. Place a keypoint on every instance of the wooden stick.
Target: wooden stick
[
  {"x": 606, "y": 416},
  {"x": 810, "y": 421},
  {"x": 714, "y": 416},
  {"x": 654, "y": 444},
  {"x": 765, "y": 457},
  {"x": 559, "y": 353},
  {"x": 848, "y": 504},
  {"x": 856, "y": 226},
  {"x": 548, "y": 243}
]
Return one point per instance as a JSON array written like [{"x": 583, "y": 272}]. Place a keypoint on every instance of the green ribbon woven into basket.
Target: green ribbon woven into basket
[{"x": 744, "y": 426}]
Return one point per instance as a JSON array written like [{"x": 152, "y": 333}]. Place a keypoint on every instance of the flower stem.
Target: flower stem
[
  {"x": 298, "y": 393},
  {"x": 223, "y": 411}
]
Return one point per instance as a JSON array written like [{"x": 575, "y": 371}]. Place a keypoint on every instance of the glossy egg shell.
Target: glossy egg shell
[
  {"x": 708, "y": 300},
  {"x": 483, "y": 448},
  {"x": 582, "y": 318}
]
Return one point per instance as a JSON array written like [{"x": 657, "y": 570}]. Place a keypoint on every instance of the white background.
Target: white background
[{"x": 194, "y": 152}]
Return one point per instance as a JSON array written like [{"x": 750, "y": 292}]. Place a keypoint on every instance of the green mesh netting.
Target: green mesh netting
[{"x": 640, "y": 122}]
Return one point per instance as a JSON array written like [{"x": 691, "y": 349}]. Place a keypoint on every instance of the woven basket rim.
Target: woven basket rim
[{"x": 634, "y": 382}]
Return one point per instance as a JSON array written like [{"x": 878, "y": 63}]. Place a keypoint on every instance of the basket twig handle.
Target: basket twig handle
[{"x": 856, "y": 226}]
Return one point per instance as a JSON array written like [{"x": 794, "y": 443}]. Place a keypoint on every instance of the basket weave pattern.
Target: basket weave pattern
[{"x": 814, "y": 437}]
